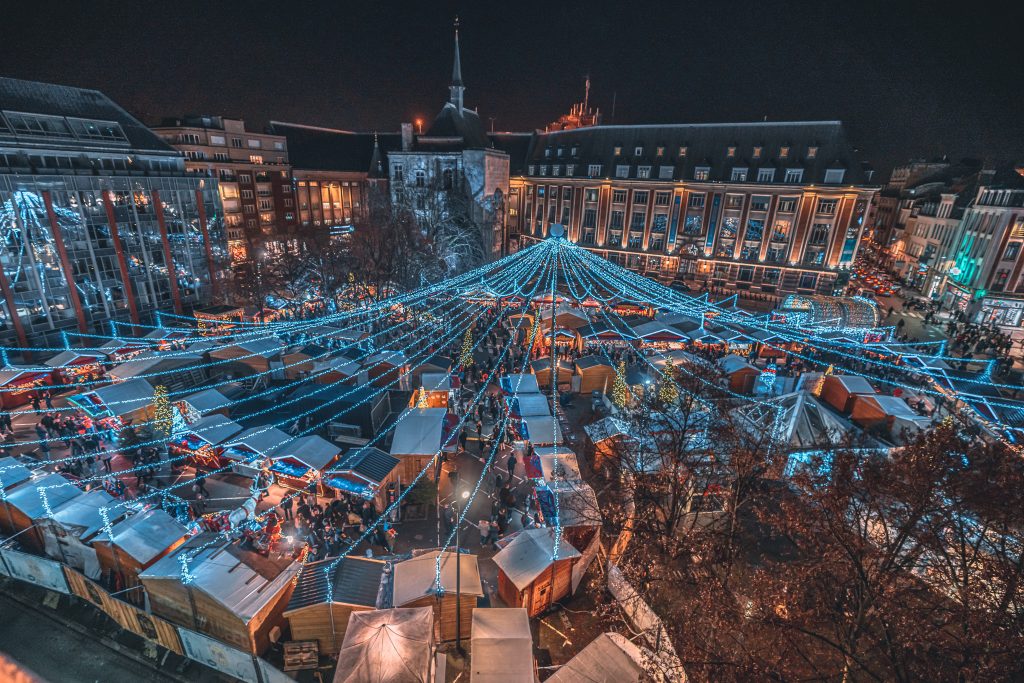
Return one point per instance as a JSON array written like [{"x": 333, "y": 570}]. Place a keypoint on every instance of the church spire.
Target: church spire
[{"x": 456, "y": 88}]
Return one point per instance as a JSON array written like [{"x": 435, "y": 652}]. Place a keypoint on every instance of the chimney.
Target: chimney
[{"x": 406, "y": 137}]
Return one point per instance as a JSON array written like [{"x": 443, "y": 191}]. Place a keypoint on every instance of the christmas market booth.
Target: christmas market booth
[
  {"x": 415, "y": 585},
  {"x": 575, "y": 506},
  {"x": 435, "y": 364},
  {"x": 605, "y": 335},
  {"x": 250, "y": 449},
  {"x": 609, "y": 657},
  {"x": 606, "y": 440},
  {"x": 327, "y": 593},
  {"x": 117, "y": 405},
  {"x": 223, "y": 589},
  {"x": 531, "y": 404},
  {"x": 542, "y": 371},
  {"x": 303, "y": 461},
  {"x": 204, "y": 403},
  {"x": 420, "y": 435},
  {"x": 67, "y": 535},
  {"x": 340, "y": 370},
  {"x": 656, "y": 334},
  {"x": 178, "y": 372},
  {"x": 217, "y": 320},
  {"x": 165, "y": 340},
  {"x": 75, "y": 367},
  {"x": 25, "y": 509},
  {"x": 249, "y": 357},
  {"x": 387, "y": 646},
  {"x": 596, "y": 374},
  {"x": 12, "y": 474},
  {"x": 840, "y": 391},
  {"x": 134, "y": 545},
  {"x": 528, "y": 576},
  {"x": 886, "y": 415},
  {"x": 502, "y": 647},
  {"x": 740, "y": 375},
  {"x": 539, "y": 430},
  {"x": 388, "y": 369},
  {"x": 435, "y": 391},
  {"x": 518, "y": 384},
  {"x": 200, "y": 441},
  {"x": 18, "y": 382},
  {"x": 365, "y": 471},
  {"x": 118, "y": 350},
  {"x": 299, "y": 361}
]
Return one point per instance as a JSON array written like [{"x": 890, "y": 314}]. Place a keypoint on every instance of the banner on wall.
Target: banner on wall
[{"x": 37, "y": 570}]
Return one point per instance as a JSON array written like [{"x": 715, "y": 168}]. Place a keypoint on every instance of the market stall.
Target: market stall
[
  {"x": 542, "y": 371},
  {"x": 388, "y": 369},
  {"x": 249, "y": 357},
  {"x": 740, "y": 375},
  {"x": 435, "y": 390},
  {"x": 596, "y": 373},
  {"x": 502, "y": 647},
  {"x": 68, "y": 533},
  {"x": 387, "y": 646},
  {"x": 327, "y": 593},
  {"x": 525, "y": 404},
  {"x": 609, "y": 657},
  {"x": 840, "y": 391},
  {"x": 365, "y": 471},
  {"x": 340, "y": 370},
  {"x": 117, "y": 405},
  {"x": 18, "y": 382},
  {"x": 299, "y": 361},
  {"x": 539, "y": 430},
  {"x": 217, "y": 320},
  {"x": 134, "y": 545},
  {"x": 415, "y": 585},
  {"x": 203, "y": 403},
  {"x": 420, "y": 435},
  {"x": 528, "y": 576},
  {"x": 304, "y": 460},
  {"x": 75, "y": 367},
  {"x": 253, "y": 447},
  {"x": 178, "y": 372},
  {"x": 31, "y": 503},
  {"x": 199, "y": 444}
]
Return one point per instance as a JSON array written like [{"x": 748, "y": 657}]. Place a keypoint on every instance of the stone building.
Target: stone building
[{"x": 100, "y": 220}]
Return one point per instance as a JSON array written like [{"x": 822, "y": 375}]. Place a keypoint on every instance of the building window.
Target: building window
[
  {"x": 547, "y": 153},
  {"x": 682, "y": 151},
  {"x": 757, "y": 152},
  {"x": 618, "y": 150},
  {"x": 787, "y": 205},
  {"x": 218, "y": 140},
  {"x": 765, "y": 175},
  {"x": 999, "y": 283},
  {"x": 532, "y": 169},
  {"x": 730, "y": 152},
  {"x": 589, "y": 218},
  {"x": 739, "y": 175},
  {"x": 665, "y": 172},
  {"x": 696, "y": 201},
  {"x": 657, "y": 243},
  {"x": 660, "y": 151},
  {"x": 746, "y": 274},
  {"x": 638, "y": 151},
  {"x": 574, "y": 151},
  {"x": 834, "y": 176},
  {"x": 734, "y": 201},
  {"x": 560, "y": 151},
  {"x": 396, "y": 173},
  {"x": 543, "y": 169},
  {"x": 246, "y": 194},
  {"x": 615, "y": 221},
  {"x": 636, "y": 221},
  {"x": 236, "y": 143},
  {"x": 555, "y": 169},
  {"x": 1012, "y": 250},
  {"x": 794, "y": 175},
  {"x": 570, "y": 169},
  {"x": 254, "y": 144},
  {"x": 643, "y": 172},
  {"x": 447, "y": 179},
  {"x": 588, "y": 236},
  {"x": 618, "y": 196},
  {"x": 565, "y": 215},
  {"x": 640, "y": 197},
  {"x": 827, "y": 206},
  {"x": 808, "y": 281},
  {"x": 594, "y": 170},
  {"x": 622, "y": 171},
  {"x": 255, "y": 159},
  {"x": 590, "y": 195},
  {"x": 265, "y": 204},
  {"x": 701, "y": 173},
  {"x": 221, "y": 156},
  {"x": 770, "y": 276},
  {"x": 662, "y": 198},
  {"x": 244, "y": 178},
  {"x": 636, "y": 239},
  {"x": 694, "y": 225},
  {"x": 780, "y": 233},
  {"x": 759, "y": 203},
  {"x": 819, "y": 234},
  {"x": 812, "y": 152},
  {"x": 541, "y": 189},
  {"x": 421, "y": 178}
]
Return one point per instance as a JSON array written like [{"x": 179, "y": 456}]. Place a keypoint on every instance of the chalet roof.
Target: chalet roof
[
  {"x": 266, "y": 347},
  {"x": 145, "y": 535},
  {"x": 125, "y": 397},
  {"x": 315, "y": 451},
  {"x": 13, "y": 372},
  {"x": 243, "y": 581},
  {"x": 207, "y": 401},
  {"x": 370, "y": 463},
  {"x": 265, "y": 440},
  {"x": 529, "y": 553},
  {"x": 731, "y": 364},
  {"x": 12, "y": 473},
  {"x": 525, "y": 384},
  {"x": 592, "y": 361},
  {"x": 565, "y": 368},
  {"x": 387, "y": 646},
  {"x": 151, "y": 362},
  {"x": 529, "y": 405},
  {"x": 417, "y": 577},
  {"x": 891, "y": 405},
  {"x": 81, "y": 515},
  {"x": 609, "y": 657},
  {"x": 215, "y": 429},
  {"x": 502, "y": 646},
  {"x": 606, "y": 428},
  {"x": 28, "y": 500},
  {"x": 853, "y": 384},
  {"x": 65, "y": 358},
  {"x": 541, "y": 429},
  {"x": 353, "y": 581},
  {"x": 436, "y": 381},
  {"x": 419, "y": 431},
  {"x": 60, "y": 100}
]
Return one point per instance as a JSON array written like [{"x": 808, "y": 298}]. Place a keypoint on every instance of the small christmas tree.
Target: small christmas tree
[
  {"x": 668, "y": 394},
  {"x": 620, "y": 391},
  {"x": 534, "y": 332},
  {"x": 163, "y": 412},
  {"x": 466, "y": 359},
  {"x": 421, "y": 402}
]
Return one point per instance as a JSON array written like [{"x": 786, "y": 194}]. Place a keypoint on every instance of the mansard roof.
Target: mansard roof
[{"x": 719, "y": 147}]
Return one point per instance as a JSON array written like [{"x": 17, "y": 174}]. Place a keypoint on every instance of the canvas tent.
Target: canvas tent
[
  {"x": 502, "y": 647},
  {"x": 387, "y": 646}
]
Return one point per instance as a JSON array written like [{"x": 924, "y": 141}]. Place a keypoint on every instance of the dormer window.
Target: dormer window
[
  {"x": 757, "y": 152},
  {"x": 660, "y": 151},
  {"x": 730, "y": 152},
  {"x": 560, "y": 150},
  {"x": 812, "y": 152},
  {"x": 682, "y": 151},
  {"x": 618, "y": 150},
  {"x": 575, "y": 151},
  {"x": 638, "y": 151},
  {"x": 834, "y": 176},
  {"x": 547, "y": 152},
  {"x": 783, "y": 152}
]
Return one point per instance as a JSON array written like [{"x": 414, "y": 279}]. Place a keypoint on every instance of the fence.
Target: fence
[{"x": 54, "y": 576}]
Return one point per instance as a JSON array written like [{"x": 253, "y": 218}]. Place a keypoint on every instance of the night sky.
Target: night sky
[{"x": 909, "y": 79}]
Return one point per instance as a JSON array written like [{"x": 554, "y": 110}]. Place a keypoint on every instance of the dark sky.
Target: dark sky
[{"x": 910, "y": 79}]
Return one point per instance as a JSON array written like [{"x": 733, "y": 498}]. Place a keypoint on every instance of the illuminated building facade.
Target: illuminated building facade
[
  {"x": 254, "y": 176},
  {"x": 762, "y": 207},
  {"x": 99, "y": 218}
]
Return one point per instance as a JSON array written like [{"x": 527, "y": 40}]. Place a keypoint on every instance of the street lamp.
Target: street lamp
[{"x": 458, "y": 574}]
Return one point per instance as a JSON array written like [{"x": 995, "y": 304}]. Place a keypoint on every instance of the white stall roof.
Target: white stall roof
[
  {"x": 436, "y": 381},
  {"x": 314, "y": 451},
  {"x": 417, "y": 577},
  {"x": 146, "y": 535},
  {"x": 214, "y": 429},
  {"x": 530, "y": 405},
  {"x": 27, "y": 496},
  {"x": 147, "y": 363},
  {"x": 387, "y": 646},
  {"x": 558, "y": 463},
  {"x": 502, "y": 646},
  {"x": 81, "y": 515},
  {"x": 13, "y": 372},
  {"x": 65, "y": 358},
  {"x": 12, "y": 473},
  {"x": 207, "y": 401},
  {"x": 125, "y": 397},
  {"x": 892, "y": 405},
  {"x": 542, "y": 430},
  {"x": 530, "y": 553},
  {"x": 419, "y": 432},
  {"x": 854, "y": 384},
  {"x": 609, "y": 657},
  {"x": 519, "y": 384},
  {"x": 264, "y": 440}
]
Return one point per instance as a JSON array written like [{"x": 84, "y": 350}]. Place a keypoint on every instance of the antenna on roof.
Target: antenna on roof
[
  {"x": 615, "y": 94},
  {"x": 586, "y": 95}
]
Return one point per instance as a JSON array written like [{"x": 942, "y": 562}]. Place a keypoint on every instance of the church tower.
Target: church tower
[{"x": 456, "y": 89}]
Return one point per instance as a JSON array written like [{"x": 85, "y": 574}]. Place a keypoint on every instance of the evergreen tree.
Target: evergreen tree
[
  {"x": 466, "y": 359},
  {"x": 668, "y": 394},
  {"x": 620, "y": 391},
  {"x": 163, "y": 412}
]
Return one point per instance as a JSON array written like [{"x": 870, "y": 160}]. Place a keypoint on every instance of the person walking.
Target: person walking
[
  {"x": 511, "y": 466},
  {"x": 48, "y": 398},
  {"x": 35, "y": 401},
  {"x": 286, "y": 507}
]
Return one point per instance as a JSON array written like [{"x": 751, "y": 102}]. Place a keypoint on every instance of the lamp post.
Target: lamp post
[{"x": 458, "y": 574}]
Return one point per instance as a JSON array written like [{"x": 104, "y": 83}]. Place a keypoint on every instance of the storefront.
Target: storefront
[
  {"x": 366, "y": 472},
  {"x": 199, "y": 444},
  {"x": 303, "y": 461},
  {"x": 75, "y": 367},
  {"x": 1002, "y": 311}
]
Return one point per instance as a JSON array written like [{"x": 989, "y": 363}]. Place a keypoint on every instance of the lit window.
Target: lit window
[
  {"x": 794, "y": 175},
  {"x": 739, "y": 175},
  {"x": 643, "y": 172},
  {"x": 640, "y": 197},
  {"x": 594, "y": 170},
  {"x": 618, "y": 150},
  {"x": 682, "y": 151},
  {"x": 765, "y": 175},
  {"x": 757, "y": 152},
  {"x": 701, "y": 173},
  {"x": 783, "y": 152},
  {"x": 255, "y": 159},
  {"x": 812, "y": 152},
  {"x": 660, "y": 151},
  {"x": 730, "y": 152}
]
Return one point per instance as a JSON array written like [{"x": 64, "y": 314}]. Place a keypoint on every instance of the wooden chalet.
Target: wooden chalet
[
  {"x": 339, "y": 370},
  {"x": 434, "y": 389},
  {"x": 606, "y": 440},
  {"x": 365, "y": 471},
  {"x": 320, "y": 606},
  {"x": 299, "y": 361},
  {"x": 178, "y": 372},
  {"x": 134, "y": 545},
  {"x": 420, "y": 434},
  {"x": 24, "y": 509},
  {"x": 250, "y": 356},
  {"x": 387, "y": 369},
  {"x": 542, "y": 371},
  {"x": 434, "y": 364},
  {"x": 204, "y": 403},
  {"x": 596, "y": 373},
  {"x": 530, "y": 575},
  {"x": 387, "y": 646},
  {"x": 304, "y": 460},
  {"x": 233, "y": 594},
  {"x": 740, "y": 375},
  {"x": 131, "y": 400},
  {"x": 71, "y": 366},
  {"x": 18, "y": 382},
  {"x": 502, "y": 647},
  {"x": 68, "y": 533},
  {"x": 415, "y": 585},
  {"x": 250, "y": 448},
  {"x": 840, "y": 391}
]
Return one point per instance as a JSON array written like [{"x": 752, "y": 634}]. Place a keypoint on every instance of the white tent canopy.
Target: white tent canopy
[
  {"x": 417, "y": 577},
  {"x": 530, "y": 553},
  {"x": 502, "y": 646},
  {"x": 419, "y": 432},
  {"x": 387, "y": 646}
]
